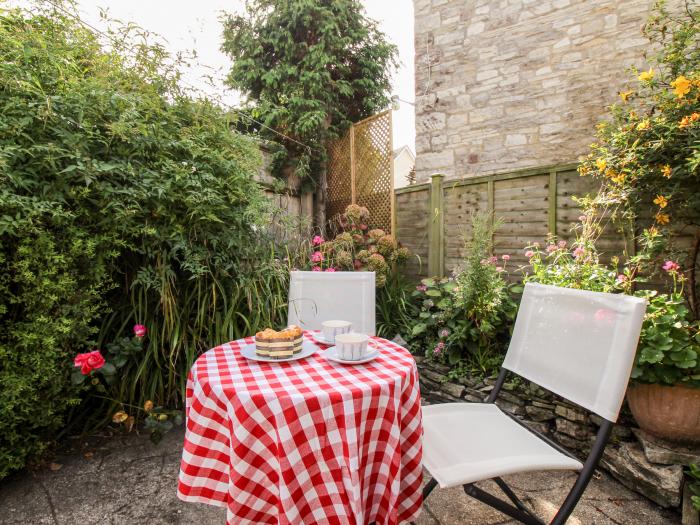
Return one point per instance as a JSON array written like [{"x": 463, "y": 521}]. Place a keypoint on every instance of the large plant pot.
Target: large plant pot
[{"x": 668, "y": 412}]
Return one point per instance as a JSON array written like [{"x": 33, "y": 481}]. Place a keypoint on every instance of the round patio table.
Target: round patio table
[{"x": 302, "y": 442}]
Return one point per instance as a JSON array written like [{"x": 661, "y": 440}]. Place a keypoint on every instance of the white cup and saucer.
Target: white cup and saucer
[
  {"x": 330, "y": 329},
  {"x": 351, "y": 348}
]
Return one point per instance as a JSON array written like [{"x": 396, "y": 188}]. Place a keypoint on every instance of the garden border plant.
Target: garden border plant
[{"x": 123, "y": 200}]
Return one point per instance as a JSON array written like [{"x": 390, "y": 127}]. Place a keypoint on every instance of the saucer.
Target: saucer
[
  {"x": 332, "y": 355},
  {"x": 318, "y": 337}
]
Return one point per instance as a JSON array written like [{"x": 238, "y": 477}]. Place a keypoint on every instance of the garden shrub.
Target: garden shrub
[
  {"x": 465, "y": 320},
  {"x": 122, "y": 200}
]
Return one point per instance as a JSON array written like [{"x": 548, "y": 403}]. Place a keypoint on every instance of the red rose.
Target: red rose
[{"x": 89, "y": 361}]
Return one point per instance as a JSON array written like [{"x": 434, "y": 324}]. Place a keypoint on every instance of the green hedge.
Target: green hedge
[{"x": 122, "y": 200}]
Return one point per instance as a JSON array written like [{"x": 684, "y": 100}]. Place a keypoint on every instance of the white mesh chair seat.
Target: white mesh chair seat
[{"x": 468, "y": 442}]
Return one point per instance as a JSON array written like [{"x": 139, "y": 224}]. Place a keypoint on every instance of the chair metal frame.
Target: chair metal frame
[{"x": 518, "y": 510}]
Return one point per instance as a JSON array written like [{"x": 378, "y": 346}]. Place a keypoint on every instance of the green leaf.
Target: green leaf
[
  {"x": 108, "y": 369},
  {"x": 76, "y": 377},
  {"x": 418, "y": 329}
]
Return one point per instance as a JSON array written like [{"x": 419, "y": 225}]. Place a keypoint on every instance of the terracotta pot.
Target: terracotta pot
[{"x": 668, "y": 412}]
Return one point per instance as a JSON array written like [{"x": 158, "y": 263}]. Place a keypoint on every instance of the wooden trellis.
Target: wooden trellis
[{"x": 361, "y": 171}]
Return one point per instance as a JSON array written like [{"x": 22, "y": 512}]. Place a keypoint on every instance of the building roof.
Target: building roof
[{"x": 400, "y": 150}]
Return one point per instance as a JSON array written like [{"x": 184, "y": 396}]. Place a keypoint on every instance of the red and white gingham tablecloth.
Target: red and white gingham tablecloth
[{"x": 302, "y": 442}]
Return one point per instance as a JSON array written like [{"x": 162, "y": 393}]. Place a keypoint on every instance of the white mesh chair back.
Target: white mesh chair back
[
  {"x": 578, "y": 344},
  {"x": 315, "y": 297}
]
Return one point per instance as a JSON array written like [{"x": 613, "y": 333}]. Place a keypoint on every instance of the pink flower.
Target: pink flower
[
  {"x": 622, "y": 278},
  {"x": 505, "y": 257},
  {"x": 316, "y": 269},
  {"x": 363, "y": 227},
  {"x": 331, "y": 269},
  {"x": 421, "y": 288},
  {"x": 551, "y": 248},
  {"x": 671, "y": 266},
  {"x": 140, "y": 330},
  {"x": 317, "y": 240},
  {"x": 578, "y": 252},
  {"x": 89, "y": 361},
  {"x": 444, "y": 333},
  {"x": 529, "y": 254},
  {"x": 493, "y": 259},
  {"x": 561, "y": 244},
  {"x": 316, "y": 257},
  {"x": 499, "y": 269},
  {"x": 581, "y": 218}
]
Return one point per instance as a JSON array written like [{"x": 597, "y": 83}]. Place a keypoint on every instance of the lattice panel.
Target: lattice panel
[
  {"x": 338, "y": 177},
  {"x": 372, "y": 159},
  {"x": 373, "y": 168}
]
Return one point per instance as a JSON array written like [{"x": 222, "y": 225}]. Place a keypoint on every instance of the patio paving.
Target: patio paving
[{"x": 127, "y": 480}]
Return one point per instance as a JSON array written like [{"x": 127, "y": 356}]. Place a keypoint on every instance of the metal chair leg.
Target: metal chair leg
[
  {"x": 429, "y": 488},
  {"x": 500, "y": 505}
]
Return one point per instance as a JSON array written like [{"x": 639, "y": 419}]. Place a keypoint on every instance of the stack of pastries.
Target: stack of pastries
[{"x": 279, "y": 345}]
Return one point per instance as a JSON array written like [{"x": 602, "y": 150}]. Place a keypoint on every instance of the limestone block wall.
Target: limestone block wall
[{"x": 508, "y": 84}]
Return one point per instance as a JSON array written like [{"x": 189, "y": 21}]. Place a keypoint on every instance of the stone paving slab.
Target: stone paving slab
[{"x": 127, "y": 480}]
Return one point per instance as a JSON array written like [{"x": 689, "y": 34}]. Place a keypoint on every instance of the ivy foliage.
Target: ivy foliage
[
  {"x": 122, "y": 200},
  {"x": 310, "y": 67}
]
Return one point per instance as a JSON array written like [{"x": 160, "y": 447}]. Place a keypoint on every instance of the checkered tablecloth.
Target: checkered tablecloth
[{"x": 302, "y": 442}]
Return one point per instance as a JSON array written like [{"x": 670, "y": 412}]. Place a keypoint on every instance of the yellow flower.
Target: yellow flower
[
  {"x": 120, "y": 417},
  {"x": 617, "y": 178},
  {"x": 662, "y": 218},
  {"x": 661, "y": 201},
  {"x": 681, "y": 86},
  {"x": 601, "y": 125},
  {"x": 666, "y": 171},
  {"x": 646, "y": 76},
  {"x": 644, "y": 124},
  {"x": 625, "y": 95},
  {"x": 148, "y": 406},
  {"x": 653, "y": 231},
  {"x": 601, "y": 163}
]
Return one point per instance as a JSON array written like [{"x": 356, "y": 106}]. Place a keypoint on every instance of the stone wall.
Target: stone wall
[
  {"x": 644, "y": 464},
  {"x": 507, "y": 84}
]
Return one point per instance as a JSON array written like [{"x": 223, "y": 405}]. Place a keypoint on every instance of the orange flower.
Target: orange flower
[
  {"x": 661, "y": 201},
  {"x": 688, "y": 120},
  {"x": 120, "y": 417},
  {"x": 666, "y": 171},
  {"x": 681, "y": 86},
  {"x": 662, "y": 218}
]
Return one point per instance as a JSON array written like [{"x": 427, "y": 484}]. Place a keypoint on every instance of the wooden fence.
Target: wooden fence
[
  {"x": 361, "y": 171},
  {"x": 432, "y": 219}
]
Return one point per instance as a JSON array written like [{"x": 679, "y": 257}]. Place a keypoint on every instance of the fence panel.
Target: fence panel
[
  {"x": 531, "y": 203},
  {"x": 412, "y": 223},
  {"x": 361, "y": 171}
]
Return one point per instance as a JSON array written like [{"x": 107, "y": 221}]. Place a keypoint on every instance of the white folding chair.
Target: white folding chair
[
  {"x": 315, "y": 297},
  {"x": 577, "y": 344}
]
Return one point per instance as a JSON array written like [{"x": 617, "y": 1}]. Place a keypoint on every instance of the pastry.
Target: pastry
[{"x": 278, "y": 345}]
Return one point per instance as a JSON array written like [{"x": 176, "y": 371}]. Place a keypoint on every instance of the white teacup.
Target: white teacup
[
  {"x": 333, "y": 328},
  {"x": 351, "y": 346}
]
